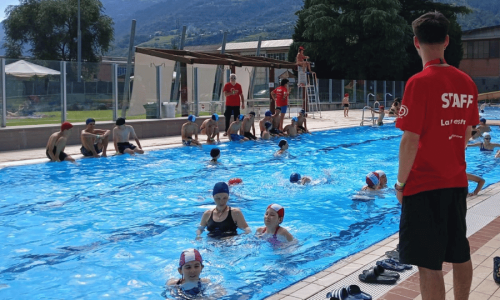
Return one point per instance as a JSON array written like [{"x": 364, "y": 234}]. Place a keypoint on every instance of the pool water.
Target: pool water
[
  {"x": 115, "y": 227},
  {"x": 490, "y": 113}
]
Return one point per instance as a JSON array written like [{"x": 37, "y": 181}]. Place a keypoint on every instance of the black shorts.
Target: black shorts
[
  {"x": 62, "y": 155},
  {"x": 250, "y": 136},
  {"x": 123, "y": 146},
  {"x": 275, "y": 131},
  {"x": 301, "y": 128},
  {"x": 433, "y": 229},
  {"x": 346, "y": 105},
  {"x": 86, "y": 152}
]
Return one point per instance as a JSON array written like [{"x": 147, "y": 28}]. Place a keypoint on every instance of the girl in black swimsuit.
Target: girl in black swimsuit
[{"x": 222, "y": 221}]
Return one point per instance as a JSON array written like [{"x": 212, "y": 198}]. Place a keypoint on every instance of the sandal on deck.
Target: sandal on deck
[
  {"x": 370, "y": 276},
  {"x": 379, "y": 270},
  {"x": 391, "y": 264},
  {"x": 351, "y": 292}
]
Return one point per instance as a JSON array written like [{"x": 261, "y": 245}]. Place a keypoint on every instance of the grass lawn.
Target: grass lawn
[{"x": 54, "y": 117}]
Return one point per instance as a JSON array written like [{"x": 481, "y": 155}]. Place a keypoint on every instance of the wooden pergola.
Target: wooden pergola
[{"x": 190, "y": 57}]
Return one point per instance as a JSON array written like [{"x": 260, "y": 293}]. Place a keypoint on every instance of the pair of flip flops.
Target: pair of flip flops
[
  {"x": 393, "y": 265},
  {"x": 350, "y": 292},
  {"x": 378, "y": 274}
]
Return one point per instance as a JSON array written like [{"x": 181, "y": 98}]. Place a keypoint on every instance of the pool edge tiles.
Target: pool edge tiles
[{"x": 317, "y": 285}]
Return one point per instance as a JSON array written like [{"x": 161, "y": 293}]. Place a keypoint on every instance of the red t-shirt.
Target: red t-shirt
[
  {"x": 438, "y": 104},
  {"x": 281, "y": 96},
  {"x": 234, "y": 99}
]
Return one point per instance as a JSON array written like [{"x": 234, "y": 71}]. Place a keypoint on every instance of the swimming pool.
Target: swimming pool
[
  {"x": 115, "y": 227},
  {"x": 490, "y": 113}
]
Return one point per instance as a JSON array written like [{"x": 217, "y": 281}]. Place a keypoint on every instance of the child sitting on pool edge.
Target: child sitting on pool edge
[
  {"x": 190, "y": 267},
  {"x": 272, "y": 219}
]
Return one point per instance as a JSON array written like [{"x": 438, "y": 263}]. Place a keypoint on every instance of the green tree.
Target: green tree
[
  {"x": 355, "y": 39},
  {"x": 411, "y": 10},
  {"x": 49, "y": 27}
]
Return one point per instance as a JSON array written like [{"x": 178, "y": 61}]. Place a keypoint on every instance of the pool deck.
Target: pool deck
[{"x": 485, "y": 243}]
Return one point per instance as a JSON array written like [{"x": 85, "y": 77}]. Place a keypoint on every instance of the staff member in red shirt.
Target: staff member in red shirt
[
  {"x": 438, "y": 110},
  {"x": 234, "y": 94},
  {"x": 280, "y": 95}
]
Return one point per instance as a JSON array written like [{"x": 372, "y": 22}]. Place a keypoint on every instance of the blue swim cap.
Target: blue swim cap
[
  {"x": 482, "y": 120},
  {"x": 268, "y": 113},
  {"x": 241, "y": 117},
  {"x": 192, "y": 118},
  {"x": 303, "y": 111},
  {"x": 268, "y": 125},
  {"x": 220, "y": 187},
  {"x": 295, "y": 177},
  {"x": 89, "y": 120},
  {"x": 295, "y": 119},
  {"x": 215, "y": 117}
]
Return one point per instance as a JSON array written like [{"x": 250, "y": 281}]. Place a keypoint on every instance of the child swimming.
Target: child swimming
[
  {"x": 274, "y": 233},
  {"x": 190, "y": 267}
]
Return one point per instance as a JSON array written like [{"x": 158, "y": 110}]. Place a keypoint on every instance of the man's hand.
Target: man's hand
[
  {"x": 243, "y": 105},
  {"x": 399, "y": 195}
]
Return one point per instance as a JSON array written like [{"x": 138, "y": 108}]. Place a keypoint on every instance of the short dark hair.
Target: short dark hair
[
  {"x": 283, "y": 81},
  {"x": 431, "y": 28}
]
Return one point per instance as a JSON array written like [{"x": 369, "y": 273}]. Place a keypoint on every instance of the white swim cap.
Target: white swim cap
[
  {"x": 486, "y": 134},
  {"x": 380, "y": 173}
]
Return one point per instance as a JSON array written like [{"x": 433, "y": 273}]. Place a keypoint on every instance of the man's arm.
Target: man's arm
[
  {"x": 242, "y": 101},
  {"x": 115, "y": 138},
  {"x": 134, "y": 136},
  {"x": 196, "y": 132},
  {"x": 407, "y": 152},
  {"x": 242, "y": 127},
  {"x": 183, "y": 132},
  {"x": 273, "y": 94},
  {"x": 253, "y": 127}
]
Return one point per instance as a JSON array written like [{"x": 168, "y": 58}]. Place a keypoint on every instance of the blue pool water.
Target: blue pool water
[
  {"x": 115, "y": 227},
  {"x": 490, "y": 113}
]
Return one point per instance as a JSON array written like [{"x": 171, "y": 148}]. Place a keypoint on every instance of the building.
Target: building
[{"x": 481, "y": 58}]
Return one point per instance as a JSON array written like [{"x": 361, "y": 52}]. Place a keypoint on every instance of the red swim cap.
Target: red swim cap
[
  {"x": 234, "y": 181},
  {"x": 372, "y": 179},
  {"x": 66, "y": 125},
  {"x": 278, "y": 208},
  {"x": 188, "y": 256},
  {"x": 346, "y": 95},
  {"x": 301, "y": 48}
]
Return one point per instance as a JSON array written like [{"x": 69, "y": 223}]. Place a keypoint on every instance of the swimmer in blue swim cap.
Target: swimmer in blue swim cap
[
  {"x": 291, "y": 129},
  {"x": 211, "y": 129},
  {"x": 262, "y": 124},
  {"x": 273, "y": 218},
  {"x": 188, "y": 129},
  {"x": 222, "y": 221},
  {"x": 234, "y": 129},
  {"x": 296, "y": 178}
]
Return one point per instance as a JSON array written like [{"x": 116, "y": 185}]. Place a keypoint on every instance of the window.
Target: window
[
  {"x": 495, "y": 49},
  {"x": 464, "y": 47},
  {"x": 470, "y": 50},
  {"x": 486, "y": 49},
  {"x": 476, "y": 50},
  {"x": 479, "y": 50},
  {"x": 280, "y": 56}
]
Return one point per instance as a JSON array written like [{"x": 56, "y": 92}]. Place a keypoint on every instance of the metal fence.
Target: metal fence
[{"x": 49, "y": 92}]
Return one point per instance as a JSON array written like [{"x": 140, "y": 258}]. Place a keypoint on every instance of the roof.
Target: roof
[
  {"x": 253, "y": 45},
  {"x": 191, "y": 57},
  {"x": 491, "y": 32},
  {"x": 204, "y": 48}
]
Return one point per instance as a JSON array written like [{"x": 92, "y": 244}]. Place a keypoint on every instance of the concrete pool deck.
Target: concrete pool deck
[{"x": 485, "y": 243}]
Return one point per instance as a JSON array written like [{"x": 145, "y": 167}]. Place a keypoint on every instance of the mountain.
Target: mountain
[
  {"x": 485, "y": 13},
  {"x": 158, "y": 24}
]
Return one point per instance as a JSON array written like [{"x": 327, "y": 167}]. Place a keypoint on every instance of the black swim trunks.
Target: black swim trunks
[
  {"x": 62, "y": 155},
  {"x": 346, "y": 105},
  {"x": 433, "y": 229},
  {"x": 275, "y": 131},
  {"x": 301, "y": 128},
  {"x": 86, "y": 152},
  {"x": 250, "y": 136},
  {"x": 123, "y": 146}
]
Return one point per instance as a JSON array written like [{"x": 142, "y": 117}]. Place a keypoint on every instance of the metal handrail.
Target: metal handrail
[{"x": 363, "y": 115}]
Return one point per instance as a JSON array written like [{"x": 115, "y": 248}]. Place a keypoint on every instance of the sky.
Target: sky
[{"x": 3, "y": 6}]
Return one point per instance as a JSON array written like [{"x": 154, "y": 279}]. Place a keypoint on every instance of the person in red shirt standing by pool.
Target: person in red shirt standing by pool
[
  {"x": 280, "y": 95},
  {"x": 437, "y": 113},
  {"x": 234, "y": 94}
]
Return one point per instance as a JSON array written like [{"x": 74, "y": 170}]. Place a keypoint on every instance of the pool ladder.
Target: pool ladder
[{"x": 375, "y": 105}]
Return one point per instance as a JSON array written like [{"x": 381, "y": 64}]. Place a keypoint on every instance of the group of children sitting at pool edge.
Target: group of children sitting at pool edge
[
  {"x": 94, "y": 141},
  {"x": 243, "y": 128}
]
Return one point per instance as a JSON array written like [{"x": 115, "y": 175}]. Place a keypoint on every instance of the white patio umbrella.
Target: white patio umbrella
[{"x": 23, "y": 68}]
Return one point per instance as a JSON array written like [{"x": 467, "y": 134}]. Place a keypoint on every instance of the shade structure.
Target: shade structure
[{"x": 23, "y": 68}]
